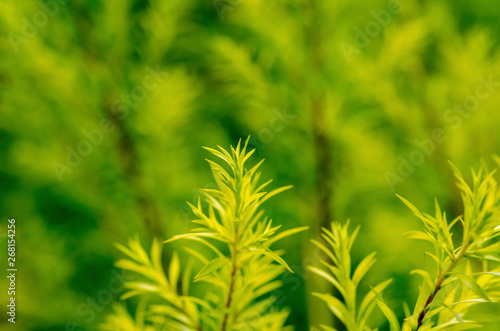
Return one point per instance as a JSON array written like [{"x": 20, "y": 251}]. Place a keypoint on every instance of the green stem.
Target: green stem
[
  {"x": 231, "y": 281},
  {"x": 439, "y": 283}
]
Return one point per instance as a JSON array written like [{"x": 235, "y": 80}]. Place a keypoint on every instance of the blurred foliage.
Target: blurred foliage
[{"x": 338, "y": 111}]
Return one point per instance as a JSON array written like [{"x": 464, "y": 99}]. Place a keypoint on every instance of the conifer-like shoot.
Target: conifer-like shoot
[
  {"x": 457, "y": 277},
  {"x": 239, "y": 268}
]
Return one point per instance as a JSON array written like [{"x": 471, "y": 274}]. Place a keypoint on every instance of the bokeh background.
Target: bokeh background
[{"x": 105, "y": 105}]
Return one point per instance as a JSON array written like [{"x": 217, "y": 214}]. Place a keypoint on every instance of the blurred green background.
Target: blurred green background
[{"x": 104, "y": 107}]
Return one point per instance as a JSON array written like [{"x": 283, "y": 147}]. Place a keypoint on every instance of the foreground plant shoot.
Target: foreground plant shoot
[
  {"x": 459, "y": 276},
  {"x": 239, "y": 268},
  {"x": 352, "y": 315}
]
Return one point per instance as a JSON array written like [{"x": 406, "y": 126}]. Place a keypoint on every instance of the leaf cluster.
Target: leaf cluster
[
  {"x": 239, "y": 268},
  {"x": 462, "y": 273},
  {"x": 459, "y": 275},
  {"x": 354, "y": 315}
]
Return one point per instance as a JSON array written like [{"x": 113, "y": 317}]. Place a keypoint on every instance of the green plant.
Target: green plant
[
  {"x": 460, "y": 276},
  {"x": 239, "y": 268},
  {"x": 353, "y": 315}
]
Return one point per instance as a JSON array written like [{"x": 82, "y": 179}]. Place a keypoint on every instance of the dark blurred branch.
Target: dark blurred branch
[
  {"x": 440, "y": 160},
  {"x": 322, "y": 148},
  {"x": 93, "y": 57},
  {"x": 128, "y": 155},
  {"x": 322, "y": 140}
]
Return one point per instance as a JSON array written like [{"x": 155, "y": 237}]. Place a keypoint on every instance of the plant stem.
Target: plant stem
[
  {"x": 231, "y": 282},
  {"x": 439, "y": 283},
  {"x": 183, "y": 309}
]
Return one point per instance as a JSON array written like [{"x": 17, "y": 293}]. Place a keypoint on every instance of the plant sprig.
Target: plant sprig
[
  {"x": 338, "y": 273},
  {"x": 240, "y": 283},
  {"x": 460, "y": 277},
  {"x": 480, "y": 225}
]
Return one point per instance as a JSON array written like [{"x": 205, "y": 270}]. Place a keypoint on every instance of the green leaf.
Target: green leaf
[
  {"x": 223, "y": 156},
  {"x": 456, "y": 325},
  {"x": 285, "y": 234},
  {"x": 370, "y": 297},
  {"x": 276, "y": 258},
  {"x": 436, "y": 260},
  {"x": 487, "y": 273},
  {"x": 196, "y": 254},
  {"x": 172, "y": 313},
  {"x": 329, "y": 278},
  {"x": 186, "y": 277},
  {"x": 173, "y": 272},
  {"x": 457, "y": 316},
  {"x": 191, "y": 236},
  {"x": 325, "y": 250},
  {"x": 337, "y": 307},
  {"x": 363, "y": 267},
  {"x": 389, "y": 314},
  {"x": 425, "y": 275},
  {"x": 473, "y": 286},
  {"x": 419, "y": 235},
  {"x": 275, "y": 192},
  {"x": 326, "y": 328},
  {"x": 410, "y": 205},
  {"x": 212, "y": 266}
]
